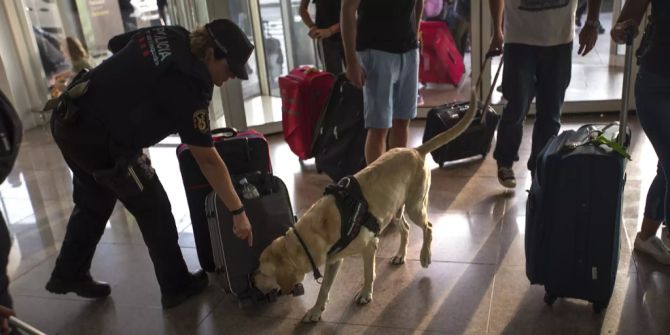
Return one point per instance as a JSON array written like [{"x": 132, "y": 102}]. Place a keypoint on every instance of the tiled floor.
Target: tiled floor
[{"x": 475, "y": 285}]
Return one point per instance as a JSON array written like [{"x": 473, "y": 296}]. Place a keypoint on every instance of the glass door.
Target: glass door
[{"x": 596, "y": 83}]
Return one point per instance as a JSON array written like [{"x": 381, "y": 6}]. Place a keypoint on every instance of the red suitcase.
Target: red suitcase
[
  {"x": 304, "y": 92},
  {"x": 440, "y": 61}
]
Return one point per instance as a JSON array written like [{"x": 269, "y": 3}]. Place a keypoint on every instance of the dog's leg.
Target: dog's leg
[
  {"x": 418, "y": 215},
  {"x": 365, "y": 296},
  {"x": 403, "y": 226},
  {"x": 331, "y": 270}
]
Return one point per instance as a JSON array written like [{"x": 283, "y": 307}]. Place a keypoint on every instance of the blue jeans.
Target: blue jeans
[
  {"x": 652, "y": 96},
  {"x": 531, "y": 72}
]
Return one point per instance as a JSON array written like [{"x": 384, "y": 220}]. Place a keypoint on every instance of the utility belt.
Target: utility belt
[
  {"x": 128, "y": 177},
  {"x": 65, "y": 106}
]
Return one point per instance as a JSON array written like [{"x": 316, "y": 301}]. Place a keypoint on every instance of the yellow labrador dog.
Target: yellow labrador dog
[{"x": 397, "y": 178}]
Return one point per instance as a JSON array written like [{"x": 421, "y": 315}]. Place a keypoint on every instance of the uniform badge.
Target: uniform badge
[{"x": 201, "y": 121}]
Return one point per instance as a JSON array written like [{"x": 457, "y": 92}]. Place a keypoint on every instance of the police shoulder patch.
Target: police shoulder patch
[{"x": 201, "y": 120}]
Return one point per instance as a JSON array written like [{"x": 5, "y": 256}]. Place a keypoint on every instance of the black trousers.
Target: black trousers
[{"x": 86, "y": 149}]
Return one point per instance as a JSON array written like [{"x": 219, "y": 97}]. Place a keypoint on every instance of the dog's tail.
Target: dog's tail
[{"x": 453, "y": 132}]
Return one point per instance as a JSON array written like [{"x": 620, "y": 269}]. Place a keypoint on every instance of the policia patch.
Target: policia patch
[{"x": 201, "y": 121}]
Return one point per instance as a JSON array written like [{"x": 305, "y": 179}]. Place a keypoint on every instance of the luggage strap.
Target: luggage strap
[
  {"x": 353, "y": 210},
  {"x": 315, "y": 269}
]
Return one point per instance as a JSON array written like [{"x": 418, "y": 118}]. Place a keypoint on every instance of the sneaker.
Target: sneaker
[
  {"x": 199, "y": 282},
  {"x": 86, "y": 287},
  {"x": 506, "y": 177},
  {"x": 665, "y": 236},
  {"x": 419, "y": 100},
  {"x": 653, "y": 247}
]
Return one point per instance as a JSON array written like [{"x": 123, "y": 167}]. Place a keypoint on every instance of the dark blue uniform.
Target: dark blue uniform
[{"x": 150, "y": 88}]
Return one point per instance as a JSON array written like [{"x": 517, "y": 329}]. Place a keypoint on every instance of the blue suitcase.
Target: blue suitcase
[{"x": 573, "y": 212}]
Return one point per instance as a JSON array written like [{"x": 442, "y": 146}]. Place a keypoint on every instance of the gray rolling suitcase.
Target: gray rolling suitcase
[
  {"x": 573, "y": 212},
  {"x": 270, "y": 215}
]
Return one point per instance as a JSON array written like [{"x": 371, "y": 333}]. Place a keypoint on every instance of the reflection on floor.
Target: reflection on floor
[{"x": 475, "y": 285}]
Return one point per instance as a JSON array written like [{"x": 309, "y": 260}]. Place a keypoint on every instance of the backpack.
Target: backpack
[
  {"x": 432, "y": 8},
  {"x": 11, "y": 132}
]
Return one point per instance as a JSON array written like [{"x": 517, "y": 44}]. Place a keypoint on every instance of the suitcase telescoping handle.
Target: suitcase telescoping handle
[
  {"x": 628, "y": 64},
  {"x": 227, "y": 132},
  {"x": 24, "y": 327},
  {"x": 479, "y": 83}
]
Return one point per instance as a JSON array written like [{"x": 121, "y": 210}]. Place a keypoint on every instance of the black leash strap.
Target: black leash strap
[{"x": 317, "y": 273}]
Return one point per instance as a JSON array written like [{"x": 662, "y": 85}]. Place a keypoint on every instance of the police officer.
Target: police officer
[{"x": 159, "y": 81}]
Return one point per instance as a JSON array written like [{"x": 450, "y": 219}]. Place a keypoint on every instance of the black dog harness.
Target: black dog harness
[{"x": 353, "y": 210}]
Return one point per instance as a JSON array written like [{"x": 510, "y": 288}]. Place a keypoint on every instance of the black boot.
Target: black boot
[{"x": 85, "y": 287}]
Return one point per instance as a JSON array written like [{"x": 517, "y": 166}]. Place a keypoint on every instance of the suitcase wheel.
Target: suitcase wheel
[
  {"x": 298, "y": 290},
  {"x": 245, "y": 303},
  {"x": 549, "y": 299},
  {"x": 599, "y": 306}
]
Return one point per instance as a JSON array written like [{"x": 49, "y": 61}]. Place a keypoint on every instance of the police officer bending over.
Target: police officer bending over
[{"x": 159, "y": 81}]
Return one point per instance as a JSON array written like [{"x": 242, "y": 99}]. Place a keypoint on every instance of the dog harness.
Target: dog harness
[{"x": 353, "y": 210}]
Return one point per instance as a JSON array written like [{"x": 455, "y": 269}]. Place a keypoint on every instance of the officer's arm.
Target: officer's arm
[{"x": 216, "y": 172}]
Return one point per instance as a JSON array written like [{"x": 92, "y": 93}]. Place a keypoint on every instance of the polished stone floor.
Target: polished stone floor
[{"x": 475, "y": 285}]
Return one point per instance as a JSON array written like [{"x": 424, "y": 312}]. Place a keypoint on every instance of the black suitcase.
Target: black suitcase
[
  {"x": 243, "y": 152},
  {"x": 271, "y": 215},
  {"x": 573, "y": 212},
  {"x": 476, "y": 140},
  {"x": 339, "y": 142}
]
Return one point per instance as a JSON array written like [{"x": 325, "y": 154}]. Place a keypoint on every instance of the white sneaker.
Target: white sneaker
[
  {"x": 653, "y": 247},
  {"x": 665, "y": 236}
]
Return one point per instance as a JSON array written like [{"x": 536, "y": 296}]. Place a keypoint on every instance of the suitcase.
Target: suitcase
[
  {"x": 271, "y": 216},
  {"x": 476, "y": 140},
  {"x": 440, "y": 61},
  {"x": 242, "y": 152},
  {"x": 573, "y": 212},
  {"x": 304, "y": 92},
  {"x": 339, "y": 145}
]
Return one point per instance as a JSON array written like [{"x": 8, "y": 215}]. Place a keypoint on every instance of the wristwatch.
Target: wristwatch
[
  {"x": 237, "y": 211},
  {"x": 592, "y": 23}
]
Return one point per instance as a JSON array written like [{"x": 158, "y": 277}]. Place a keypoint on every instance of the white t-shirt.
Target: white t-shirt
[{"x": 539, "y": 22}]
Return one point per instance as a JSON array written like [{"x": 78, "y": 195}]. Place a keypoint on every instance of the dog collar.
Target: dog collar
[{"x": 317, "y": 273}]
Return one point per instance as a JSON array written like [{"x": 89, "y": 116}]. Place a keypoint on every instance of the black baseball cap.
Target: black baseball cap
[{"x": 233, "y": 43}]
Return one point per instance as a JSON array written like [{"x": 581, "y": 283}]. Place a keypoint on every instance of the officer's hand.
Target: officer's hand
[
  {"x": 242, "y": 228},
  {"x": 5, "y": 313},
  {"x": 496, "y": 47},
  {"x": 618, "y": 32},
  {"x": 587, "y": 39},
  {"x": 323, "y": 33},
  {"x": 355, "y": 74}
]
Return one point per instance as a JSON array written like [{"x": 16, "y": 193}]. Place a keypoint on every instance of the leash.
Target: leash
[{"x": 315, "y": 269}]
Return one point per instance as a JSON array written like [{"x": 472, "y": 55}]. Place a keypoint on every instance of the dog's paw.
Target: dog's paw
[
  {"x": 313, "y": 315},
  {"x": 398, "y": 260},
  {"x": 425, "y": 258},
  {"x": 363, "y": 298}
]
